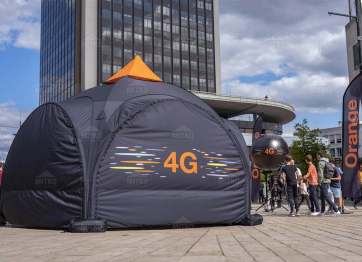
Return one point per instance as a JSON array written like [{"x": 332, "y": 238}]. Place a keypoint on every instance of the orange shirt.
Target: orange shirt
[{"x": 313, "y": 177}]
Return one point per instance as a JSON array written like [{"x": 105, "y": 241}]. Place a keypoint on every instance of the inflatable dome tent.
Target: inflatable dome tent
[{"x": 134, "y": 151}]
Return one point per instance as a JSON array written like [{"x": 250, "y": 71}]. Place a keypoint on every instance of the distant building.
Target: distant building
[{"x": 334, "y": 136}]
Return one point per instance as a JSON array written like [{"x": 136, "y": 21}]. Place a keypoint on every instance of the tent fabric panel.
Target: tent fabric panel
[
  {"x": 134, "y": 180},
  {"x": 43, "y": 177}
]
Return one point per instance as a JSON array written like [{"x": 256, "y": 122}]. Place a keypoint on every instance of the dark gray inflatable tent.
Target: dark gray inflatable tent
[{"x": 134, "y": 152}]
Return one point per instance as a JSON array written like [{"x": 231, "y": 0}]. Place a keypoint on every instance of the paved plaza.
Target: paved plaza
[{"x": 279, "y": 238}]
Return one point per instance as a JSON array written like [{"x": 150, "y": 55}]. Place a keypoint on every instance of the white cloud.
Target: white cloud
[
  {"x": 306, "y": 92},
  {"x": 9, "y": 123},
  {"x": 295, "y": 42},
  {"x": 19, "y": 20}
]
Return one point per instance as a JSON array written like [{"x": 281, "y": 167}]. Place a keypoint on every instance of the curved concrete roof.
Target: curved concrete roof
[{"x": 229, "y": 106}]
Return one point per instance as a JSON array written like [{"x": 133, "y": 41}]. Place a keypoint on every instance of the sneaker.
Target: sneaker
[
  {"x": 315, "y": 214},
  {"x": 298, "y": 214},
  {"x": 292, "y": 214},
  {"x": 336, "y": 213},
  {"x": 310, "y": 212},
  {"x": 330, "y": 211},
  {"x": 346, "y": 208},
  {"x": 355, "y": 206},
  {"x": 321, "y": 214}
]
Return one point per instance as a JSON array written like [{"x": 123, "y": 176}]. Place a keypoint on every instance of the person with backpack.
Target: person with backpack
[{"x": 325, "y": 171}]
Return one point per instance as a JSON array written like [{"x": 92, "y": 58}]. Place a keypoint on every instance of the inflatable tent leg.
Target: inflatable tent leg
[{"x": 88, "y": 226}]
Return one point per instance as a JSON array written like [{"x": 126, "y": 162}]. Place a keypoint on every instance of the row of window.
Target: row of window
[{"x": 337, "y": 138}]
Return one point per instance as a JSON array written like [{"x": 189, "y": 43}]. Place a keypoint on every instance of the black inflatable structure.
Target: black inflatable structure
[
  {"x": 133, "y": 153},
  {"x": 268, "y": 152}
]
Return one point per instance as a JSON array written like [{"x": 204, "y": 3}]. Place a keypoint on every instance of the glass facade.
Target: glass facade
[
  {"x": 175, "y": 38},
  {"x": 57, "y": 55}
]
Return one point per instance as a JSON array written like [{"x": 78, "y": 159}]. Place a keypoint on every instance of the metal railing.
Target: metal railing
[{"x": 241, "y": 99}]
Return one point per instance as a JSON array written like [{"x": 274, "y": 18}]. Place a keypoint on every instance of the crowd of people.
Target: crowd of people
[{"x": 320, "y": 187}]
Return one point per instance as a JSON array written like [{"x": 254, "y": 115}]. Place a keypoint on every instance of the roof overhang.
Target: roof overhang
[{"x": 230, "y": 106}]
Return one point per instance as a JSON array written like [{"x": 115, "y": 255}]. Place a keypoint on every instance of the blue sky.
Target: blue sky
[{"x": 285, "y": 50}]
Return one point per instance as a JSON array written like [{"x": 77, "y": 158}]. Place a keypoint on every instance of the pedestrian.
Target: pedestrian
[
  {"x": 360, "y": 196},
  {"x": 336, "y": 184},
  {"x": 325, "y": 171},
  {"x": 304, "y": 194},
  {"x": 261, "y": 193},
  {"x": 313, "y": 184},
  {"x": 290, "y": 178}
]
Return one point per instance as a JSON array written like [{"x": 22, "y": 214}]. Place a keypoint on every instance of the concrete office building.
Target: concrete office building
[{"x": 84, "y": 42}]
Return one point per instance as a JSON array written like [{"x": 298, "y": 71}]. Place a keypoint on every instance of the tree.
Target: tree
[{"x": 307, "y": 143}]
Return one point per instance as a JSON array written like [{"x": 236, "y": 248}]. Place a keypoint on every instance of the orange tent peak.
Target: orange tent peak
[{"x": 136, "y": 69}]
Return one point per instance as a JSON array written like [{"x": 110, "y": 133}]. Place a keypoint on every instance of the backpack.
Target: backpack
[{"x": 328, "y": 170}]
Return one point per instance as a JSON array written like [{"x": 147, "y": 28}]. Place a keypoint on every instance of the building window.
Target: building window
[
  {"x": 138, "y": 38},
  {"x": 166, "y": 27},
  {"x": 193, "y": 65},
  {"x": 158, "y": 59},
  {"x": 148, "y": 23},
  {"x": 148, "y": 57},
  {"x": 202, "y": 82},
  {"x": 192, "y": 18},
  {"x": 185, "y": 80},
  {"x": 331, "y": 139},
  {"x": 200, "y": 4},
  {"x": 193, "y": 49},
  {"x": 117, "y": 34},
  {"x": 209, "y": 21},
  {"x": 201, "y": 20},
  {"x": 338, "y": 138},
  {"x": 157, "y": 25},
  {"x": 166, "y": 43},
  {"x": 175, "y": 13},
  {"x": 333, "y": 152},
  {"x": 339, "y": 152},
  {"x": 128, "y": 19},
  {"x": 148, "y": 40},
  {"x": 210, "y": 83},
  {"x": 167, "y": 60},
  {"x": 193, "y": 33},
  {"x": 185, "y": 64},
  {"x": 127, "y": 36},
  {"x": 184, "y": 16},
  {"x": 208, "y": 6},
  {"x": 157, "y": 42},
  {"x": 128, "y": 53},
  {"x": 175, "y": 29},
  {"x": 166, "y": 10},
  {"x": 184, "y": 47},
  {"x": 167, "y": 78},
  {"x": 194, "y": 81},
  {"x": 106, "y": 14},
  {"x": 176, "y": 79},
  {"x": 209, "y": 37},
  {"x": 176, "y": 46},
  {"x": 176, "y": 62},
  {"x": 201, "y": 35}
]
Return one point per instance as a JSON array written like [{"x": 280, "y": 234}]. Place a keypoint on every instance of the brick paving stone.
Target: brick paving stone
[{"x": 279, "y": 238}]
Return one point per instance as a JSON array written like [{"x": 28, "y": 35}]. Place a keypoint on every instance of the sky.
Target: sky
[{"x": 290, "y": 50}]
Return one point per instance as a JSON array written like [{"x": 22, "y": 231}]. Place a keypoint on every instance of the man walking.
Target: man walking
[
  {"x": 313, "y": 184},
  {"x": 336, "y": 184},
  {"x": 325, "y": 171}
]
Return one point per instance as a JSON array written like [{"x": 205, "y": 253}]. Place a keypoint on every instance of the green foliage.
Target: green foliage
[{"x": 307, "y": 144}]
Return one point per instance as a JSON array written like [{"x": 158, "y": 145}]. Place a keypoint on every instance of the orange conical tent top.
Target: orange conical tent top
[{"x": 136, "y": 69}]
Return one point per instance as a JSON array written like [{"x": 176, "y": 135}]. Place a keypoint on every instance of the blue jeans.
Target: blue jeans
[
  {"x": 313, "y": 199},
  {"x": 325, "y": 197}
]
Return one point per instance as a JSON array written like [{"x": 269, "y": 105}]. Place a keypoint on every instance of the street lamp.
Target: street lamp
[{"x": 359, "y": 29}]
